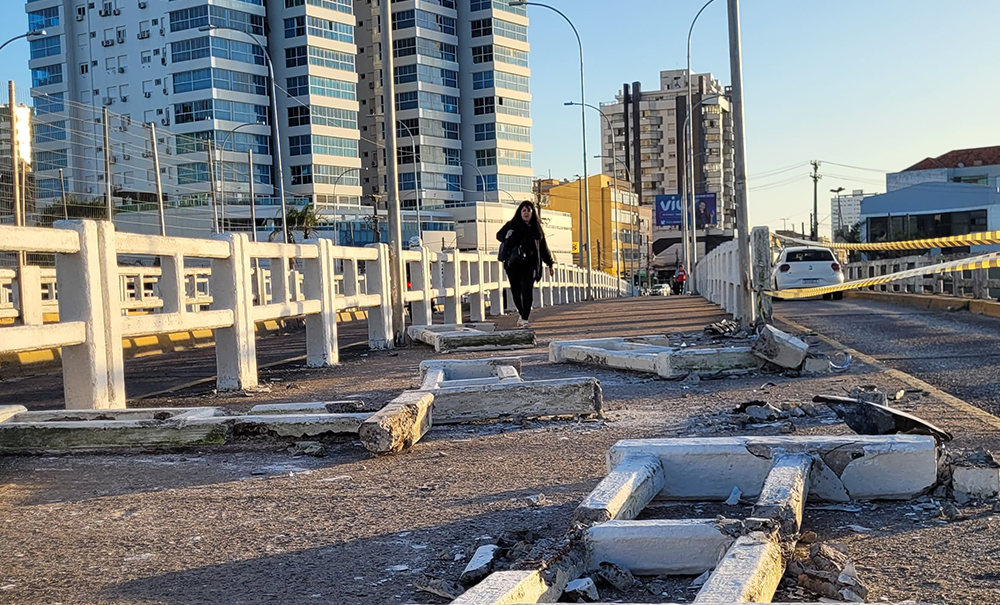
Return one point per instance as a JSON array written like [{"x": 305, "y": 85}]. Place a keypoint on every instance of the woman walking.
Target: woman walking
[{"x": 523, "y": 252}]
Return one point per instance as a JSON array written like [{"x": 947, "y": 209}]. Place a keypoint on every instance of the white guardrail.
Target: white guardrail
[
  {"x": 717, "y": 276},
  {"x": 226, "y": 284}
]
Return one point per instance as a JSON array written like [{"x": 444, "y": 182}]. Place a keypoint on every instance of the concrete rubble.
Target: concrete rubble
[
  {"x": 780, "y": 348},
  {"x": 582, "y": 590},
  {"x": 471, "y": 337}
]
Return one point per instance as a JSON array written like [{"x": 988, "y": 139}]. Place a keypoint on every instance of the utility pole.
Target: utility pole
[
  {"x": 19, "y": 218},
  {"x": 396, "y": 271},
  {"x": 159, "y": 183},
  {"x": 745, "y": 300},
  {"x": 253, "y": 207},
  {"x": 211, "y": 185},
  {"x": 62, "y": 192},
  {"x": 815, "y": 176},
  {"x": 840, "y": 215},
  {"x": 105, "y": 119}
]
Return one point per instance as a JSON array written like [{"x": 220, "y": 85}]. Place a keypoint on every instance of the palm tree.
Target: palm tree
[{"x": 305, "y": 219}]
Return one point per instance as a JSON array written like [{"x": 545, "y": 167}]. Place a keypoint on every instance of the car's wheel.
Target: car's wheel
[
  {"x": 827, "y": 296},
  {"x": 838, "y": 296}
]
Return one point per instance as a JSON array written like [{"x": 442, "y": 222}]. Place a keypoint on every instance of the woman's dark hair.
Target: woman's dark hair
[{"x": 535, "y": 224}]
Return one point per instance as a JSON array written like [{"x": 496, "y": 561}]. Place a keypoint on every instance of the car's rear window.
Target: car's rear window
[{"x": 808, "y": 256}]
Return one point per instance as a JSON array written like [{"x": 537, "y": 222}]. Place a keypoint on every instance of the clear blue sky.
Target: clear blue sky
[{"x": 875, "y": 84}]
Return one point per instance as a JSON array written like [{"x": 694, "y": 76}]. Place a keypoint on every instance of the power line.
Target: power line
[{"x": 855, "y": 167}]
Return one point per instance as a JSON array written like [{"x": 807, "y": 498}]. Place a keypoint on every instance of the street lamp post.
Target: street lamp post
[
  {"x": 485, "y": 211},
  {"x": 744, "y": 305},
  {"x": 583, "y": 121},
  {"x": 416, "y": 175},
  {"x": 275, "y": 127},
  {"x": 34, "y": 32},
  {"x": 689, "y": 133},
  {"x": 840, "y": 214},
  {"x": 614, "y": 181}
]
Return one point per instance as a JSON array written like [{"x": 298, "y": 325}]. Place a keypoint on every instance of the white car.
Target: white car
[
  {"x": 659, "y": 290},
  {"x": 807, "y": 267}
]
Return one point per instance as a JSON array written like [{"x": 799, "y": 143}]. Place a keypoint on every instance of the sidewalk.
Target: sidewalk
[{"x": 256, "y": 525}]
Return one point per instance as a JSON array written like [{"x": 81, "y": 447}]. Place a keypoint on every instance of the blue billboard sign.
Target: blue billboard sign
[{"x": 668, "y": 210}]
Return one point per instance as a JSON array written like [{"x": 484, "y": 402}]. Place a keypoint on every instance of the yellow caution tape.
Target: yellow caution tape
[
  {"x": 986, "y": 261},
  {"x": 954, "y": 241}
]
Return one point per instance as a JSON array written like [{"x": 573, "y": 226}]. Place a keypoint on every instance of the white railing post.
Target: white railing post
[
  {"x": 235, "y": 346},
  {"x": 453, "y": 282},
  {"x": 496, "y": 294},
  {"x": 477, "y": 300},
  {"x": 321, "y": 328},
  {"x": 173, "y": 284},
  {"x": 420, "y": 276},
  {"x": 87, "y": 282},
  {"x": 377, "y": 281},
  {"x": 29, "y": 292}
]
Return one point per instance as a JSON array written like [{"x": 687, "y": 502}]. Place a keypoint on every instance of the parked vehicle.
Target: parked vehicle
[
  {"x": 807, "y": 267},
  {"x": 660, "y": 290}
]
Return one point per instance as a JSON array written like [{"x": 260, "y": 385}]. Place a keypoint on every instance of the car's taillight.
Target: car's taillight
[
  {"x": 835, "y": 266},
  {"x": 784, "y": 268}
]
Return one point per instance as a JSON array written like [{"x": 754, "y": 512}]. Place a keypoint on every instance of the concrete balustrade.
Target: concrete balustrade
[{"x": 226, "y": 284}]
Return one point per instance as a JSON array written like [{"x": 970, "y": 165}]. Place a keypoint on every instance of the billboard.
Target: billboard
[{"x": 668, "y": 210}]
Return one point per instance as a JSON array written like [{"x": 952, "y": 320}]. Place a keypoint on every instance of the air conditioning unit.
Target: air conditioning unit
[
  {"x": 123, "y": 128},
  {"x": 371, "y": 85},
  {"x": 168, "y": 152},
  {"x": 125, "y": 99},
  {"x": 147, "y": 94},
  {"x": 113, "y": 159},
  {"x": 126, "y": 157},
  {"x": 163, "y": 32},
  {"x": 121, "y": 70},
  {"x": 147, "y": 154},
  {"x": 121, "y": 39},
  {"x": 90, "y": 189},
  {"x": 144, "y": 34},
  {"x": 108, "y": 100},
  {"x": 117, "y": 12},
  {"x": 79, "y": 17},
  {"x": 165, "y": 91},
  {"x": 142, "y": 4},
  {"x": 103, "y": 13},
  {"x": 165, "y": 121},
  {"x": 107, "y": 43},
  {"x": 163, "y": 60}
]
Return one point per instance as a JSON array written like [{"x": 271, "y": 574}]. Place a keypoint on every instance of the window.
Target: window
[
  {"x": 809, "y": 256},
  {"x": 298, "y": 115},
  {"x": 207, "y": 109},
  {"x": 510, "y": 157},
  {"x": 331, "y": 59},
  {"x": 49, "y": 74},
  {"x": 436, "y": 75},
  {"x": 485, "y": 132},
  {"x": 452, "y": 157},
  {"x": 239, "y": 81},
  {"x": 482, "y": 79},
  {"x": 404, "y": 48},
  {"x": 330, "y": 30},
  {"x": 296, "y": 56},
  {"x": 189, "y": 18},
  {"x": 482, "y": 27},
  {"x": 45, "y": 47},
  {"x": 437, "y": 50},
  {"x": 484, "y": 105},
  {"x": 510, "y": 30},
  {"x": 325, "y": 145},
  {"x": 47, "y": 17},
  {"x": 486, "y": 157},
  {"x": 336, "y": 118},
  {"x": 295, "y": 27},
  {"x": 482, "y": 54},
  {"x": 52, "y": 103},
  {"x": 450, "y": 130},
  {"x": 187, "y": 50},
  {"x": 436, "y": 102},
  {"x": 404, "y": 19},
  {"x": 196, "y": 172},
  {"x": 502, "y": 54},
  {"x": 244, "y": 22},
  {"x": 53, "y": 131},
  {"x": 486, "y": 183},
  {"x": 509, "y": 132},
  {"x": 84, "y": 69},
  {"x": 235, "y": 50},
  {"x": 300, "y": 145},
  {"x": 479, "y": 5},
  {"x": 301, "y": 175},
  {"x": 405, "y": 74},
  {"x": 328, "y": 87},
  {"x": 145, "y": 57},
  {"x": 50, "y": 160},
  {"x": 329, "y": 175},
  {"x": 297, "y": 86},
  {"x": 511, "y": 81},
  {"x": 435, "y": 22},
  {"x": 343, "y": 6},
  {"x": 407, "y": 155},
  {"x": 513, "y": 107},
  {"x": 504, "y": 5},
  {"x": 406, "y": 100},
  {"x": 517, "y": 184},
  {"x": 408, "y": 127}
]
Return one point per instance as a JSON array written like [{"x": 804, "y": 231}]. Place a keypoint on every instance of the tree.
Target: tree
[
  {"x": 305, "y": 219},
  {"x": 76, "y": 207}
]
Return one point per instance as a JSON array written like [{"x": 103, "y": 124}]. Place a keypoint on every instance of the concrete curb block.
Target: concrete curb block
[
  {"x": 862, "y": 467},
  {"x": 313, "y": 407},
  {"x": 472, "y": 337},
  {"x": 6, "y": 411},
  {"x": 469, "y": 368},
  {"x": 624, "y": 492},
  {"x": 398, "y": 425},
  {"x": 559, "y": 397},
  {"x": 786, "y": 489},
  {"x": 645, "y": 354},
  {"x": 658, "y": 547},
  {"x": 749, "y": 572},
  {"x": 506, "y": 588}
]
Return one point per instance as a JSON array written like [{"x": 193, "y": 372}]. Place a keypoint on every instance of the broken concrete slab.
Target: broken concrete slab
[
  {"x": 558, "y": 397},
  {"x": 728, "y": 360},
  {"x": 658, "y": 546},
  {"x": 461, "y": 369},
  {"x": 786, "y": 488},
  {"x": 471, "y": 337},
  {"x": 975, "y": 482},
  {"x": 294, "y": 425},
  {"x": 748, "y": 573},
  {"x": 780, "y": 348},
  {"x": 398, "y": 425},
  {"x": 859, "y": 467},
  {"x": 652, "y": 354},
  {"x": 624, "y": 492},
  {"x": 868, "y": 418},
  {"x": 582, "y": 589},
  {"x": 6, "y": 411},
  {"x": 506, "y": 588},
  {"x": 480, "y": 565},
  {"x": 311, "y": 407}
]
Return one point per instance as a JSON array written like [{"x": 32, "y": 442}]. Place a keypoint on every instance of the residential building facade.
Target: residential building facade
[
  {"x": 658, "y": 166},
  {"x": 845, "y": 210}
]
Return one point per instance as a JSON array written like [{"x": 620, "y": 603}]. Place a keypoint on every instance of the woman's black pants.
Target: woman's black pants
[{"x": 522, "y": 287}]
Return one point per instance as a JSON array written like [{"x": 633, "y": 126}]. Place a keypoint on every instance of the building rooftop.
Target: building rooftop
[
  {"x": 960, "y": 158},
  {"x": 930, "y": 197}
]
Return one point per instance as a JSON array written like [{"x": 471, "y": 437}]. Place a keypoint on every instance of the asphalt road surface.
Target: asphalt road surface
[{"x": 958, "y": 352}]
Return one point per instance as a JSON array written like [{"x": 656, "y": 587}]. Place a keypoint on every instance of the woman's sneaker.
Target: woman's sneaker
[{"x": 523, "y": 323}]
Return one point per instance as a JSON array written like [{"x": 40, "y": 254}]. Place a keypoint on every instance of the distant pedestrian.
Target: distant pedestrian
[
  {"x": 523, "y": 252},
  {"x": 679, "y": 277}
]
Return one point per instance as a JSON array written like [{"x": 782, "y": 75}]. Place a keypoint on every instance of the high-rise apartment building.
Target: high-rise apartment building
[
  {"x": 845, "y": 210},
  {"x": 655, "y": 122},
  {"x": 462, "y": 101},
  {"x": 197, "y": 70}
]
